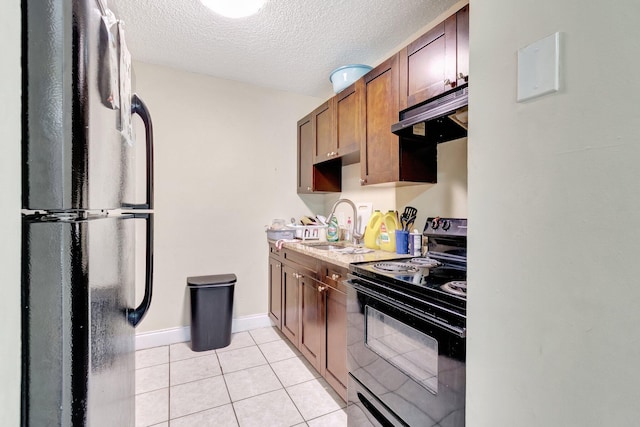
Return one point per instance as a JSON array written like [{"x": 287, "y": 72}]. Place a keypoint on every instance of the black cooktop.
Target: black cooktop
[
  {"x": 438, "y": 278},
  {"x": 410, "y": 275}
]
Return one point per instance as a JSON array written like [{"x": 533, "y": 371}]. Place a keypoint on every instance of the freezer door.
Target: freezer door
[
  {"x": 78, "y": 146},
  {"x": 78, "y": 345}
]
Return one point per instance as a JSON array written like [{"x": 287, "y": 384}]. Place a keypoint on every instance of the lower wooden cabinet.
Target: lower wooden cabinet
[
  {"x": 312, "y": 312},
  {"x": 275, "y": 291},
  {"x": 290, "y": 305},
  {"x": 334, "y": 362},
  {"x": 311, "y": 321}
]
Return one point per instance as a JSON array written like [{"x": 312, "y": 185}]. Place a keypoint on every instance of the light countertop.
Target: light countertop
[{"x": 337, "y": 257}]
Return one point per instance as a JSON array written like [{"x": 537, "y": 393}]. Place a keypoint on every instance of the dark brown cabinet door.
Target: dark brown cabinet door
[
  {"x": 290, "y": 305},
  {"x": 335, "y": 357},
  {"x": 436, "y": 62},
  {"x": 429, "y": 64},
  {"x": 324, "y": 177},
  {"x": 305, "y": 155},
  {"x": 275, "y": 291},
  {"x": 379, "y": 156},
  {"x": 462, "y": 43},
  {"x": 323, "y": 128},
  {"x": 350, "y": 125},
  {"x": 312, "y": 321}
]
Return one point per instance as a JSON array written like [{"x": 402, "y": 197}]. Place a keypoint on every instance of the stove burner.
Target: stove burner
[
  {"x": 425, "y": 262},
  {"x": 456, "y": 288},
  {"x": 394, "y": 267}
]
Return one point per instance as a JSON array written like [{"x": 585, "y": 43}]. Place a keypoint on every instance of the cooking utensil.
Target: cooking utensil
[
  {"x": 403, "y": 221},
  {"x": 409, "y": 215},
  {"x": 410, "y": 211},
  {"x": 410, "y": 222}
]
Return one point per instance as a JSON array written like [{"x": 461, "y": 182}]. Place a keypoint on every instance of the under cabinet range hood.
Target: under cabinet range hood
[{"x": 437, "y": 120}]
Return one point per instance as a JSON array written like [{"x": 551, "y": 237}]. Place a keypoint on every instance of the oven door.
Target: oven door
[{"x": 410, "y": 365}]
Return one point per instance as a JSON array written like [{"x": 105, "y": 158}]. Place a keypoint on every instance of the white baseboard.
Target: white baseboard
[{"x": 183, "y": 333}]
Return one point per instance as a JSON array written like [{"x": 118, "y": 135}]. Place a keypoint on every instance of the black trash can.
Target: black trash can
[{"x": 211, "y": 310}]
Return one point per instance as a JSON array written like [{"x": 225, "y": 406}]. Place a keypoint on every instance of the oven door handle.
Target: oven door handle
[
  {"x": 378, "y": 410},
  {"x": 460, "y": 332},
  {"x": 374, "y": 411}
]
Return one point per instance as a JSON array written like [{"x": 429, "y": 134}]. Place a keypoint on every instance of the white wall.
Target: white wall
[
  {"x": 10, "y": 214},
  {"x": 554, "y": 203},
  {"x": 225, "y": 162}
]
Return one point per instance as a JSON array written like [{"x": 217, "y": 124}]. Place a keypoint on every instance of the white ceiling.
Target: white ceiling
[{"x": 292, "y": 45}]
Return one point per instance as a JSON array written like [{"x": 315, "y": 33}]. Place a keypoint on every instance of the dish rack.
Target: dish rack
[{"x": 308, "y": 232}]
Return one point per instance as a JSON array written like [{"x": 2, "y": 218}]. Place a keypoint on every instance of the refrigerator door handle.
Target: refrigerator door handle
[
  {"x": 138, "y": 107},
  {"x": 136, "y": 315}
]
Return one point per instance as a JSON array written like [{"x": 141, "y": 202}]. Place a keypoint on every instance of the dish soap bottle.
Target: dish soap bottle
[{"x": 333, "y": 231}]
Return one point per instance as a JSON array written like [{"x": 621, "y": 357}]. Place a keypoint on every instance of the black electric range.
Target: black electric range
[
  {"x": 406, "y": 334},
  {"x": 439, "y": 277}
]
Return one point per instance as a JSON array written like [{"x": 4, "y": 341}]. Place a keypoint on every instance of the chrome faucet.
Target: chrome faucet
[{"x": 355, "y": 236}]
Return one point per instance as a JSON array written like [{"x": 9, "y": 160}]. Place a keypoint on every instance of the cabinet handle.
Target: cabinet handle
[
  {"x": 447, "y": 82},
  {"x": 463, "y": 77},
  {"x": 321, "y": 288},
  {"x": 363, "y": 181},
  {"x": 308, "y": 188},
  {"x": 335, "y": 276},
  {"x": 328, "y": 154}
]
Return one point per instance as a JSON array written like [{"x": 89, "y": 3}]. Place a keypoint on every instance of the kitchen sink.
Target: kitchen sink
[{"x": 324, "y": 246}]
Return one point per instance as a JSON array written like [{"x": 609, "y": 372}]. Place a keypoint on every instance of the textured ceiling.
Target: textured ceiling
[{"x": 292, "y": 45}]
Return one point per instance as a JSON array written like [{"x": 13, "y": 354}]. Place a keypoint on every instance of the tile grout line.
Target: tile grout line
[
  {"x": 283, "y": 387},
  {"x": 226, "y": 386}
]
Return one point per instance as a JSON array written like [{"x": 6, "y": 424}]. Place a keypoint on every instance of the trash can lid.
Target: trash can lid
[{"x": 210, "y": 281}]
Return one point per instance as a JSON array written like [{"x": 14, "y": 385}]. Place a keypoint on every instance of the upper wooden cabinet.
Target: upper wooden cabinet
[
  {"x": 383, "y": 157},
  {"x": 379, "y": 155},
  {"x": 323, "y": 125},
  {"x": 349, "y": 122},
  {"x": 436, "y": 62},
  {"x": 305, "y": 155},
  {"x": 326, "y": 177},
  {"x": 355, "y": 124}
]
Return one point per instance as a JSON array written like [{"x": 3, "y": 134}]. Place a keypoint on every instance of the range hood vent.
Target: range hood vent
[{"x": 438, "y": 120}]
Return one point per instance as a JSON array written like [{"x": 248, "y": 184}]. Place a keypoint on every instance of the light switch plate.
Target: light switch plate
[{"x": 539, "y": 68}]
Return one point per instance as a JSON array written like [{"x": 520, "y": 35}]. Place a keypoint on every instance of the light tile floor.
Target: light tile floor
[{"x": 260, "y": 379}]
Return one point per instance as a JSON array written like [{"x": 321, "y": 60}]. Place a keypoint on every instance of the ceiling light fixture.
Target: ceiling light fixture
[{"x": 234, "y": 8}]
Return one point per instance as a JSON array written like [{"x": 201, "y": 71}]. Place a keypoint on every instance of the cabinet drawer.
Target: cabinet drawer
[
  {"x": 335, "y": 276},
  {"x": 304, "y": 264}
]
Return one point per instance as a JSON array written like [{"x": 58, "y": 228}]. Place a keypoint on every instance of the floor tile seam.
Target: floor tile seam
[
  {"x": 282, "y": 387},
  {"x": 202, "y": 410},
  {"x": 264, "y": 342},
  {"x": 223, "y": 350},
  {"x": 243, "y": 369},
  {"x": 267, "y": 392},
  {"x": 149, "y": 391},
  {"x": 324, "y": 415},
  {"x": 318, "y": 380},
  {"x": 255, "y": 395},
  {"x": 151, "y": 366},
  {"x": 226, "y": 386},
  {"x": 294, "y": 402},
  {"x": 198, "y": 356},
  {"x": 193, "y": 381}
]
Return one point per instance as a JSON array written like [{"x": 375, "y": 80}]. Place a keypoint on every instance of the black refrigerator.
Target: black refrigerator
[{"x": 82, "y": 203}]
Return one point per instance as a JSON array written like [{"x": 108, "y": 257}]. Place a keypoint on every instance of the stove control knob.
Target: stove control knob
[
  {"x": 446, "y": 224},
  {"x": 435, "y": 223}
]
